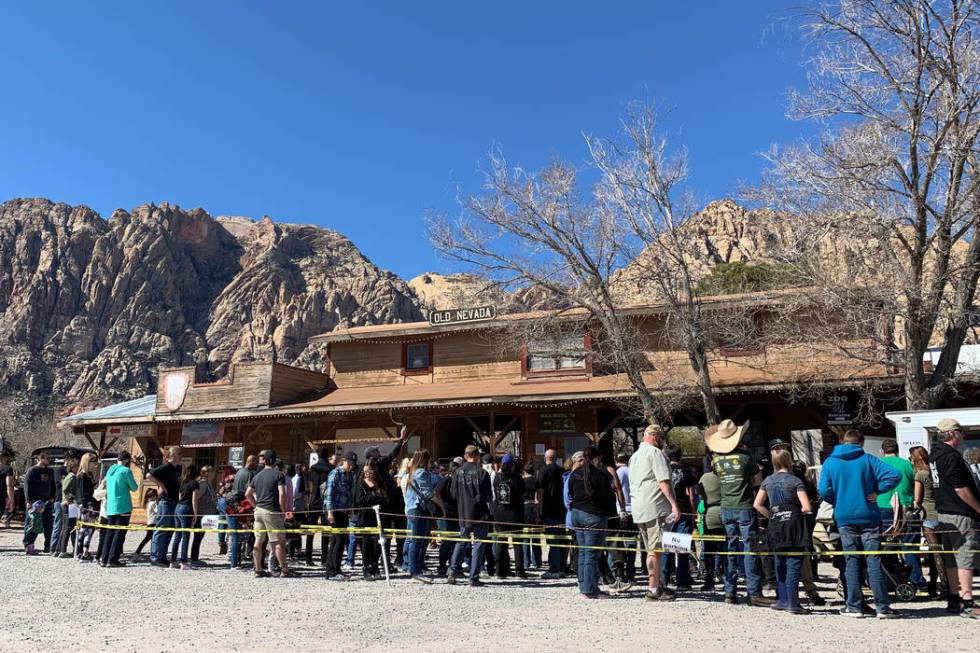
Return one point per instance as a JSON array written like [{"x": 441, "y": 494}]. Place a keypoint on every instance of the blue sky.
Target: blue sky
[{"x": 362, "y": 116}]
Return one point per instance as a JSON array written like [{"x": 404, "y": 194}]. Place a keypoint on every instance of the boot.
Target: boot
[
  {"x": 793, "y": 600},
  {"x": 781, "y": 602}
]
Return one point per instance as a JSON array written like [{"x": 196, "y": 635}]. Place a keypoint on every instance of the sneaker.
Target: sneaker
[
  {"x": 658, "y": 595},
  {"x": 261, "y": 574},
  {"x": 707, "y": 587},
  {"x": 621, "y": 585},
  {"x": 954, "y": 605},
  {"x": 65, "y": 554},
  {"x": 337, "y": 577},
  {"x": 817, "y": 600},
  {"x": 175, "y": 565},
  {"x": 117, "y": 564},
  {"x": 450, "y": 579},
  {"x": 969, "y": 611},
  {"x": 888, "y": 613},
  {"x": 731, "y": 599},
  {"x": 30, "y": 550},
  {"x": 425, "y": 580},
  {"x": 551, "y": 575},
  {"x": 853, "y": 614},
  {"x": 160, "y": 563},
  {"x": 197, "y": 564},
  {"x": 798, "y": 609},
  {"x": 476, "y": 582},
  {"x": 184, "y": 567},
  {"x": 760, "y": 602}
]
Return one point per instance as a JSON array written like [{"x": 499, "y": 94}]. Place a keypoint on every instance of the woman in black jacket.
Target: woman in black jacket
[
  {"x": 369, "y": 492},
  {"x": 87, "y": 505},
  {"x": 508, "y": 490}
]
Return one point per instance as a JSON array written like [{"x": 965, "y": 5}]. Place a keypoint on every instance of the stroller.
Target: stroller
[{"x": 897, "y": 572}]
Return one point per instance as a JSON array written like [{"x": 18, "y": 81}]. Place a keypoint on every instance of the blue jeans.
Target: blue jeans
[
  {"x": 588, "y": 557},
  {"x": 222, "y": 520},
  {"x": 683, "y": 577},
  {"x": 161, "y": 538},
  {"x": 234, "y": 546},
  {"x": 182, "y": 515},
  {"x": 409, "y": 542},
  {"x": 420, "y": 529},
  {"x": 446, "y": 546},
  {"x": 479, "y": 533},
  {"x": 556, "y": 555},
  {"x": 863, "y": 538},
  {"x": 788, "y": 571},
  {"x": 740, "y": 527}
]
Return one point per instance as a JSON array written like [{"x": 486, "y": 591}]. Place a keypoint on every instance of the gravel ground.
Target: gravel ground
[{"x": 51, "y": 604}]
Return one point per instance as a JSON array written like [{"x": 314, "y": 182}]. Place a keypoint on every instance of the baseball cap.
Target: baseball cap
[
  {"x": 779, "y": 443},
  {"x": 507, "y": 459},
  {"x": 946, "y": 425},
  {"x": 372, "y": 451},
  {"x": 578, "y": 457},
  {"x": 351, "y": 457},
  {"x": 459, "y": 460}
]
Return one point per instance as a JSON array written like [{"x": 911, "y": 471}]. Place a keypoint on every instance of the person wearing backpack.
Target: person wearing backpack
[
  {"x": 851, "y": 481},
  {"x": 472, "y": 492},
  {"x": 508, "y": 489}
]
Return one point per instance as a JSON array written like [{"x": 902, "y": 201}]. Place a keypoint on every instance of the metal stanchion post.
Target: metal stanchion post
[{"x": 381, "y": 540}]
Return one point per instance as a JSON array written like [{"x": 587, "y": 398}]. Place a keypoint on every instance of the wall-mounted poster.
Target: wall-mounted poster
[{"x": 556, "y": 423}]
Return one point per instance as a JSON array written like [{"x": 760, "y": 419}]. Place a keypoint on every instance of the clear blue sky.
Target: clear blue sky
[{"x": 361, "y": 117}]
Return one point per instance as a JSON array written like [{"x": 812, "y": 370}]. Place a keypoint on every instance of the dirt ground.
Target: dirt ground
[{"x": 53, "y": 604}]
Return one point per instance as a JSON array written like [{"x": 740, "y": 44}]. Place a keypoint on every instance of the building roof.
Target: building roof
[
  {"x": 406, "y": 329},
  {"x": 136, "y": 410}
]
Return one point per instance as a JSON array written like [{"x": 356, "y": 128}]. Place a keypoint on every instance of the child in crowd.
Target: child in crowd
[
  {"x": 150, "y": 505},
  {"x": 33, "y": 525}
]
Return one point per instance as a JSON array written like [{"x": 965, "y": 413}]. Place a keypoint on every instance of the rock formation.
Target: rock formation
[{"x": 89, "y": 308}]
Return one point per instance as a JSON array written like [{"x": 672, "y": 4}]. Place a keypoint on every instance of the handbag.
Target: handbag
[{"x": 787, "y": 529}]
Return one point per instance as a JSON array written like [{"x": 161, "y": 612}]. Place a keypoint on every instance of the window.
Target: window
[
  {"x": 416, "y": 357},
  {"x": 558, "y": 355}
]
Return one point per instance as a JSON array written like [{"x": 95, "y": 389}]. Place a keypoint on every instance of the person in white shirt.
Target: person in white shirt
[{"x": 652, "y": 503}]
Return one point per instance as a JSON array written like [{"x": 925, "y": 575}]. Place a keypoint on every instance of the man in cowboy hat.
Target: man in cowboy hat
[
  {"x": 652, "y": 502},
  {"x": 737, "y": 473}
]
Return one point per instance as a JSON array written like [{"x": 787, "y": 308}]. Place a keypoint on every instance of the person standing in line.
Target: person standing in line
[
  {"x": 67, "y": 501},
  {"x": 421, "y": 510},
  {"x": 39, "y": 485},
  {"x": 6, "y": 485},
  {"x": 239, "y": 487},
  {"x": 958, "y": 507},
  {"x": 167, "y": 479},
  {"x": 851, "y": 481},
  {"x": 551, "y": 511},
  {"x": 593, "y": 502},
  {"x": 384, "y": 464},
  {"x": 369, "y": 492},
  {"x": 207, "y": 504},
  {"x": 87, "y": 505},
  {"x": 653, "y": 504},
  {"x": 532, "y": 547},
  {"x": 184, "y": 515},
  {"x": 783, "y": 500},
  {"x": 508, "y": 490},
  {"x": 712, "y": 529},
  {"x": 150, "y": 506},
  {"x": 904, "y": 493},
  {"x": 337, "y": 502},
  {"x": 624, "y": 555},
  {"x": 682, "y": 484},
  {"x": 267, "y": 493},
  {"x": 318, "y": 475},
  {"x": 119, "y": 486},
  {"x": 737, "y": 472},
  {"x": 472, "y": 492}
]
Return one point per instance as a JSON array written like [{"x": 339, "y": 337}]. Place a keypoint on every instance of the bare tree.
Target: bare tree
[
  {"x": 595, "y": 251},
  {"x": 886, "y": 199}
]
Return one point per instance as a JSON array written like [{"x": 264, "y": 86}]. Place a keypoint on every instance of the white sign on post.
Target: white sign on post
[
  {"x": 678, "y": 542},
  {"x": 209, "y": 521}
]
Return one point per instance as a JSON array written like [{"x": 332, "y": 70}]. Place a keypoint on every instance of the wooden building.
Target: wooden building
[{"x": 455, "y": 382}]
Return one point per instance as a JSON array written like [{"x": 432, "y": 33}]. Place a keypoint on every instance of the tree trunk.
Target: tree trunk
[{"x": 699, "y": 362}]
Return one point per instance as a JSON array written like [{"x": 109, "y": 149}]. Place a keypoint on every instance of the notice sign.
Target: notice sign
[
  {"x": 840, "y": 411},
  {"x": 209, "y": 521},
  {"x": 236, "y": 456},
  {"x": 677, "y": 542},
  {"x": 455, "y": 315}
]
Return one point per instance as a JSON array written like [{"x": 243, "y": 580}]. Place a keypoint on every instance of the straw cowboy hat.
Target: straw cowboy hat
[{"x": 725, "y": 437}]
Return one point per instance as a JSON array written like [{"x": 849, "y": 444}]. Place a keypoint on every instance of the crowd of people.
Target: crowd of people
[{"x": 754, "y": 520}]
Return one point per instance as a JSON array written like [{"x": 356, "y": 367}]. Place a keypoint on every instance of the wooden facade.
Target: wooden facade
[{"x": 475, "y": 383}]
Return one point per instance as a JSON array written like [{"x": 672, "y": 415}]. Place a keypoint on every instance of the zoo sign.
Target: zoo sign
[{"x": 456, "y": 315}]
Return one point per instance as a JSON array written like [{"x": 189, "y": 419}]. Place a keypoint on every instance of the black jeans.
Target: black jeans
[
  {"x": 338, "y": 544},
  {"x": 196, "y": 540},
  {"x": 370, "y": 548},
  {"x": 318, "y": 518},
  {"x": 501, "y": 551},
  {"x": 114, "y": 538}
]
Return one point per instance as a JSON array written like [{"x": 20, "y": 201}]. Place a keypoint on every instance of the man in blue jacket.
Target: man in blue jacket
[{"x": 851, "y": 481}]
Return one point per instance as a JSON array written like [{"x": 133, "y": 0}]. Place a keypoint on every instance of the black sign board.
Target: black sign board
[
  {"x": 455, "y": 315},
  {"x": 840, "y": 409}
]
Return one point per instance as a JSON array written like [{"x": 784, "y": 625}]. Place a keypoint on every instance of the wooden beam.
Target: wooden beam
[
  {"x": 476, "y": 427},
  {"x": 388, "y": 433},
  {"x": 615, "y": 421},
  {"x": 108, "y": 446},
  {"x": 492, "y": 434},
  {"x": 510, "y": 426}
]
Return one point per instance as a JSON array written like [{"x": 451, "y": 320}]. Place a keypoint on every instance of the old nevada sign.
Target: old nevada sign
[{"x": 463, "y": 315}]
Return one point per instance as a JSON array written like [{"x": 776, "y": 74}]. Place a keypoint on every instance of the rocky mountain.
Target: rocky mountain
[
  {"x": 442, "y": 291},
  {"x": 89, "y": 307}
]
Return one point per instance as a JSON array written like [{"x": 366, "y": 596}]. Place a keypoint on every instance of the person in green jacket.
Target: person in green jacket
[
  {"x": 119, "y": 506},
  {"x": 905, "y": 491}
]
